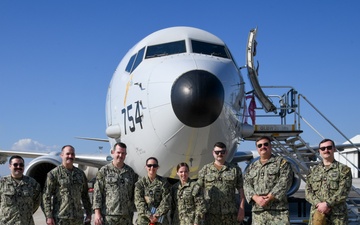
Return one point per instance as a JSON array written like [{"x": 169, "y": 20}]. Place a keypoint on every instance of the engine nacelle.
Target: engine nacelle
[
  {"x": 40, "y": 166},
  {"x": 296, "y": 179}
]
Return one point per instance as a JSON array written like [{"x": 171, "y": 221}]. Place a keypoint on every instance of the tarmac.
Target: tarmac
[{"x": 39, "y": 217}]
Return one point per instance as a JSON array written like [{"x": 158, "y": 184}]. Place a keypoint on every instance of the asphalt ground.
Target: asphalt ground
[{"x": 39, "y": 218}]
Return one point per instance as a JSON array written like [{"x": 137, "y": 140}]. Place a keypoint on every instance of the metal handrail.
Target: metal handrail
[{"x": 333, "y": 125}]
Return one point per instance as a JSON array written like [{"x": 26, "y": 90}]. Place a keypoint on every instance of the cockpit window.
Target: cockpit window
[
  {"x": 165, "y": 49},
  {"x": 135, "y": 60},
  {"x": 130, "y": 63},
  {"x": 209, "y": 49},
  {"x": 139, "y": 58}
]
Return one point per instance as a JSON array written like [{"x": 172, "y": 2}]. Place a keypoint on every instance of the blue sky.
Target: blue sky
[{"x": 57, "y": 59}]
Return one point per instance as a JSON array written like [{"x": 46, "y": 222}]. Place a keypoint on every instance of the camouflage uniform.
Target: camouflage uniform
[
  {"x": 65, "y": 193},
  {"x": 332, "y": 185},
  {"x": 188, "y": 205},
  {"x": 152, "y": 194},
  {"x": 275, "y": 177},
  {"x": 220, "y": 189},
  {"x": 18, "y": 200},
  {"x": 114, "y": 194}
]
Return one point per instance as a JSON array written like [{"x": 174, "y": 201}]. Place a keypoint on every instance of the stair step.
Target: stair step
[
  {"x": 292, "y": 140},
  {"x": 281, "y": 132},
  {"x": 305, "y": 153}
]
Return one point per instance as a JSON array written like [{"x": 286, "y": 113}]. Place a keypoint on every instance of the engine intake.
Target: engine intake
[{"x": 39, "y": 167}]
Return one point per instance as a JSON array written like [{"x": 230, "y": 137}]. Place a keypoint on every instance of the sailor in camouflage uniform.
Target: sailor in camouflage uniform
[
  {"x": 188, "y": 205},
  {"x": 152, "y": 192},
  {"x": 266, "y": 183},
  {"x": 220, "y": 180},
  {"x": 66, "y": 192},
  {"x": 328, "y": 185},
  {"x": 19, "y": 195},
  {"x": 113, "y": 200}
]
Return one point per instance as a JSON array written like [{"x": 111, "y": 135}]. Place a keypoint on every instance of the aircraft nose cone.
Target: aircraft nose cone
[{"x": 197, "y": 98}]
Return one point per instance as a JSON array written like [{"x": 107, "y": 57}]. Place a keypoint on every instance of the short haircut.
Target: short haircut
[
  {"x": 220, "y": 145},
  {"x": 153, "y": 158},
  {"x": 263, "y": 137},
  {"x": 181, "y": 165},
  {"x": 326, "y": 140},
  {"x": 120, "y": 144},
  {"x": 15, "y": 157},
  {"x": 62, "y": 149}
]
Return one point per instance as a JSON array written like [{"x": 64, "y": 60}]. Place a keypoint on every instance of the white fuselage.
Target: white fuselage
[{"x": 175, "y": 123}]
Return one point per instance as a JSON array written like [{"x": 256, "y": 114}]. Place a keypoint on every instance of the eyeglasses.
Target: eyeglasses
[
  {"x": 326, "y": 147},
  {"x": 265, "y": 144},
  {"x": 18, "y": 164},
  {"x": 152, "y": 165},
  {"x": 218, "y": 152}
]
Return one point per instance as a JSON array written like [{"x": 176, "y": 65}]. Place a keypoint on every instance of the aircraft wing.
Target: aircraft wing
[
  {"x": 93, "y": 139},
  {"x": 241, "y": 156},
  {"x": 5, "y": 153},
  {"x": 340, "y": 147},
  {"x": 43, "y": 162},
  {"x": 95, "y": 160}
]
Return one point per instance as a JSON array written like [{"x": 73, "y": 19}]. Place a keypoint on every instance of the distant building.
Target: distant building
[{"x": 352, "y": 155}]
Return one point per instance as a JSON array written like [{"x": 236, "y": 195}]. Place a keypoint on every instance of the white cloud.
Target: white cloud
[{"x": 28, "y": 144}]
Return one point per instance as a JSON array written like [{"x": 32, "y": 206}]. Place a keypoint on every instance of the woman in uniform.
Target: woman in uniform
[
  {"x": 188, "y": 205},
  {"x": 152, "y": 196}
]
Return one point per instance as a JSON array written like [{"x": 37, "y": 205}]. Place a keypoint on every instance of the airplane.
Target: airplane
[{"x": 172, "y": 96}]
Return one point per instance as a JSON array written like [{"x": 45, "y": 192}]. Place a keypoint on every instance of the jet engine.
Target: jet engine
[
  {"x": 40, "y": 166},
  {"x": 296, "y": 179}
]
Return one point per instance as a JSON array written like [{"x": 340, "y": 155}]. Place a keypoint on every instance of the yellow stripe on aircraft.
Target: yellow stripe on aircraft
[{"x": 127, "y": 88}]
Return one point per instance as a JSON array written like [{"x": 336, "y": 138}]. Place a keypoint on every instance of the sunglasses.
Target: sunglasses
[
  {"x": 265, "y": 144},
  {"x": 152, "y": 165},
  {"x": 18, "y": 164},
  {"x": 326, "y": 147},
  {"x": 218, "y": 152}
]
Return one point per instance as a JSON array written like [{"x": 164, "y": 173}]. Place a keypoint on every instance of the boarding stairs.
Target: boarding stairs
[
  {"x": 285, "y": 129},
  {"x": 279, "y": 117}
]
